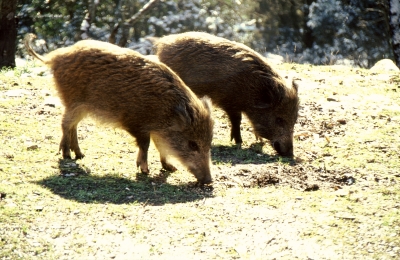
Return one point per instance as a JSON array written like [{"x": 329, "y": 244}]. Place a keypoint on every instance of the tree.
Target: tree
[
  {"x": 8, "y": 33},
  {"x": 394, "y": 24},
  {"x": 351, "y": 30},
  {"x": 130, "y": 23}
]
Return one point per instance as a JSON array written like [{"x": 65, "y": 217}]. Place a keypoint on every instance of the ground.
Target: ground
[{"x": 339, "y": 198}]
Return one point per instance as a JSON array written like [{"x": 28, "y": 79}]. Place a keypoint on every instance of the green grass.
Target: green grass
[{"x": 102, "y": 207}]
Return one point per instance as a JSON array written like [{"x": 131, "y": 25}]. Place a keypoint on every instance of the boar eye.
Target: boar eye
[
  {"x": 193, "y": 146},
  {"x": 279, "y": 121}
]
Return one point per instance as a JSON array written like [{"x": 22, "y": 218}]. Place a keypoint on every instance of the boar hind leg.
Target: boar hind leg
[
  {"x": 235, "y": 117},
  {"x": 143, "y": 141},
  {"x": 74, "y": 143},
  {"x": 69, "y": 140}
]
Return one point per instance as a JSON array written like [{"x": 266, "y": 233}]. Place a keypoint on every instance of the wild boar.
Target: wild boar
[
  {"x": 123, "y": 88},
  {"x": 238, "y": 80}
]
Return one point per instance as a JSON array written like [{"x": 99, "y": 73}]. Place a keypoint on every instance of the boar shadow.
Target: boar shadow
[
  {"x": 76, "y": 183},
  {"x": 252, "y": 155}
]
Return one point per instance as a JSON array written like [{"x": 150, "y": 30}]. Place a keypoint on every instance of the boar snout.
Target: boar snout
[
  {"x": 283, "y": 148},
  {"x": 201, "y": 170},
  {"x": 203, "y": 176}
]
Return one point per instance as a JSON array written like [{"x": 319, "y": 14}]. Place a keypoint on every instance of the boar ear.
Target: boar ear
[
  {"x": 184, "y": 116},
  {"x": 295, "y": 86},
  {"x": 207, "y": 103}
]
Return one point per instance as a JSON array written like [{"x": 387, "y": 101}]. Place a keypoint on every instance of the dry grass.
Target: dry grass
[{"x": 100, "y": 207}]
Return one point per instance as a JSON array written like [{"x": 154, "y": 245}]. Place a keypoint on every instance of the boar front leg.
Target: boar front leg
[
  {"x": 161, "y": 147},
  {"x": 143, "y": 141},
  {"x": 235, "y": 117},
  {"x": 167, "y": 166}
]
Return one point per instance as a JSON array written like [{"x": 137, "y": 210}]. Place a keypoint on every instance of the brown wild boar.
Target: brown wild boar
[
  {"x": 123, "y": 88},
  {"x": 238, "y": 80}
]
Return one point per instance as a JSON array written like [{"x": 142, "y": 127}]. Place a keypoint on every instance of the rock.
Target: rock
[
  {"x": 346, "y": 216},
  {"x": 52, "y": 102},
  {"x": 274, "y": 58},
  {"x": 17, "y": 93},
  {"x": 32, "y": 147},
  {"x": 39, "y": 208},
  {"x": 385, "y": 65},
  {"x": 20, "y": 62},
  {"x": 341, "y": 193},
  {"x": 332, "y": 99},
  {"x": 40, "y": 71},
  {"x": 303, "y": 134}
]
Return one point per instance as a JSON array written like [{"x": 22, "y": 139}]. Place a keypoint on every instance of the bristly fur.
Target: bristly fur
[
  {"x": 237, "y": 79},
  {"x": 119, "y": 86}
]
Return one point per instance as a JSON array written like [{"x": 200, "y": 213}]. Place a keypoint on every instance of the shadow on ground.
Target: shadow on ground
[
  {"x": 75, "y": 183},
  {"x": 251, "y": 155}
]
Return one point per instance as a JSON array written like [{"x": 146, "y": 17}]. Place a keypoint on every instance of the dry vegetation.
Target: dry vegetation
[{"x": 338, "y": 199}]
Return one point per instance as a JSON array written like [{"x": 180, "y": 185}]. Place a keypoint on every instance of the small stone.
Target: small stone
[
  {"x": 341, "y": 193},
  {"x": 32, "y": 147},
  {"x": 39, "y": 208},
  {"x": 332, "y": 99},
  {"x": 329, "y": 125},
  {"x": 52, "y": 102},
  {"x": 342, "y": 121},
  {"x": 346, "y": 216},
  {"x": 17, "y": 92}
]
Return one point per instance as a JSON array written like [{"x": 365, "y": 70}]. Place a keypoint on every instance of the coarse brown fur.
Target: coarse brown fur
[
  {"x": 121, "y": 87},
  {"x": 237, "y": 79}
]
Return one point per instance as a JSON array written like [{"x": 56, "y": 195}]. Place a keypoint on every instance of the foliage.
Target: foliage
[
  {"x": 316, "y": 32},
  {"x": 353, "y": 26}
]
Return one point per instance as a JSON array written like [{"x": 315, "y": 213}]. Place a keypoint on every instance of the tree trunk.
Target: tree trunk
[
  {"x": 8, "y": 33},
  {"x": 308, "y": 38},
  {"x": 394, "y": 24},
  {"x": 125, "y": 25},
  {"x": 88, "y": 20}
]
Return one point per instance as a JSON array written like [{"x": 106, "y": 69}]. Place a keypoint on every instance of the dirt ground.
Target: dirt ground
[{"x": 337, "y": 199}]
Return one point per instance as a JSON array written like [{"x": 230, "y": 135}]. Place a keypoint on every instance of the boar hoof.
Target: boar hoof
[
  {"x": 79, "y": 156},
  {"x": 238, "y": 146},
  {"x": 67, "y": 157},
  {"x": 168, "y": 167},
  {"x": 145, "y": 171},
  {"x": 205, "y": 182}
]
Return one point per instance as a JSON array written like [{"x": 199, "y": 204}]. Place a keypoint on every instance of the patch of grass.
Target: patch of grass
[{"x": 102, "y": 207}]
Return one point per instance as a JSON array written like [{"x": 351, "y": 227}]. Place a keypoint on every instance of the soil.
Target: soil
[{"x": 336, "y": 199}]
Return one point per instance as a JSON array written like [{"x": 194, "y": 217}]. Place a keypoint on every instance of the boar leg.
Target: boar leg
[
  {"x": 167, "y": 166},
  {"x": 74, "y": 143},
  {"x": 143, "y": 141},
  {"x": 69, "y": 140},
  {"x": 235, "y": 117},
  {"x": 160, "y": 145}
]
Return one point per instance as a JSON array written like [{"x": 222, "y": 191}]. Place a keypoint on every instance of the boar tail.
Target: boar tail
[{"x": 27, "y": 41}]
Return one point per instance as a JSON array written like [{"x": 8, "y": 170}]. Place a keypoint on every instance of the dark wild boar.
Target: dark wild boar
[
  {"x": 123, "y": 88},
  {"x": 238, "y": 80}
]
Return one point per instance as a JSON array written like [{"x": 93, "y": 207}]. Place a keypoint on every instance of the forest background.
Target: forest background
[{"x": 350, "y": 32}]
